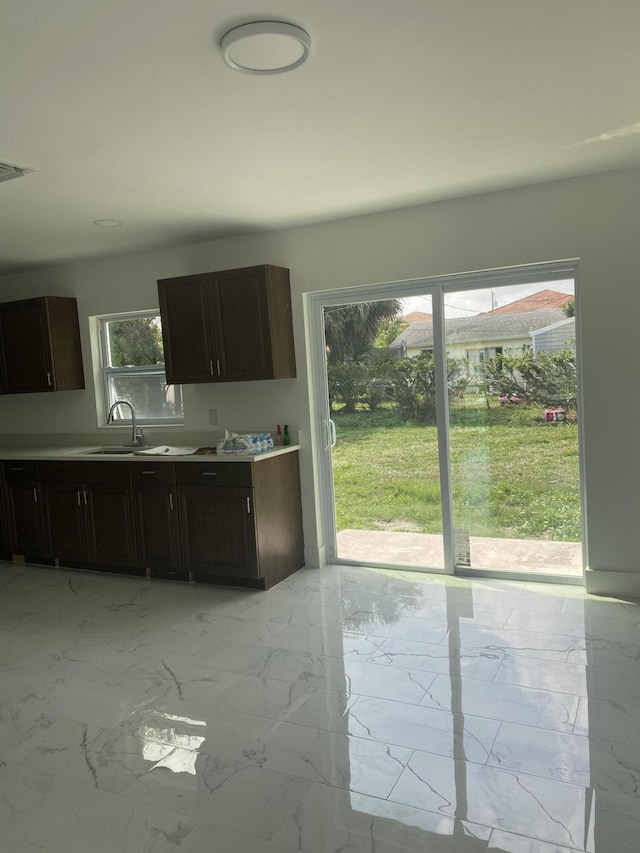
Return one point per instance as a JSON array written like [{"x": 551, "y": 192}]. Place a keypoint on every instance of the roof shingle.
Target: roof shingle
[{"x": 481, "y": 327}]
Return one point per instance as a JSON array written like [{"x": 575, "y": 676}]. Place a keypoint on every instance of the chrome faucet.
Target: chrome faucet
[{"x": 137, "y": 436}]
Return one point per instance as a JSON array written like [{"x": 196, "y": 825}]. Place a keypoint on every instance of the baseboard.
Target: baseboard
[
  {"x": 614, "y": 584},
  {"x": 315, "y": 558}
]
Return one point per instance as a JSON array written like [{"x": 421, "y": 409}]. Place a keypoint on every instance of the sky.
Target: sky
[{"x": 468, "y": 303}]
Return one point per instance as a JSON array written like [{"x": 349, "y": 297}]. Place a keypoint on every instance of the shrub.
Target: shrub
[{"x": 547, "y": 378}]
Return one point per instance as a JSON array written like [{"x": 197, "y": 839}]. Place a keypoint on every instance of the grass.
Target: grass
[{"x": 513, "y": 475}]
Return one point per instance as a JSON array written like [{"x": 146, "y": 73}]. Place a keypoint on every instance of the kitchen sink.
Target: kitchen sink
[{"x": 112, "y": 451}]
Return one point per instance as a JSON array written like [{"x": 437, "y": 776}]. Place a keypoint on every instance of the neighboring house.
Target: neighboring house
[
  {"x": 416, "y": 317},
  {"x": 536, "y": 302},
  {"x": 482, "y": 336},
  {"x": 557, "y": 336}
]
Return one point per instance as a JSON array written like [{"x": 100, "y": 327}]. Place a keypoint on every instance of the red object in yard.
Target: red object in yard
[{"x": 556, "y": 413}]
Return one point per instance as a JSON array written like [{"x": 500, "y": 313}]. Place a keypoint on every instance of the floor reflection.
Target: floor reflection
[
  {"x": 348, "y": 709},
  {"x": 563, "y": 771}
]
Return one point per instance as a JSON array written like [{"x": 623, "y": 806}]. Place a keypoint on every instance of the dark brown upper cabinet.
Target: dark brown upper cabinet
[
  {"x": 40, "y": 345},
  {"x": 229, "y": 326}
]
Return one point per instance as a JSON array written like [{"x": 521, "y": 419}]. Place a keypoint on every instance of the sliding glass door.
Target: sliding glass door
[
  {"x": 513, "y": 428},
  {"x": 448, "y": 423},
  {"x": 384, "y": 454}
]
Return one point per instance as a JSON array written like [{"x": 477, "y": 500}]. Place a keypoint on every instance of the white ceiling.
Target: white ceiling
[{"x": 127, "y": 111}]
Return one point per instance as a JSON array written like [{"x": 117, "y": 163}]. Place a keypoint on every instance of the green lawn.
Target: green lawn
[{"x": 514, "y": 476}]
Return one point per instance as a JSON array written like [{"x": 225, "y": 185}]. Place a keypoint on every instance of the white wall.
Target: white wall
[{"x": 592, "y": 218}]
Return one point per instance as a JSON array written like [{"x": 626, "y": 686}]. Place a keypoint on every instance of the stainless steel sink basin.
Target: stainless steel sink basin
[{"x": 111, "y": 451}]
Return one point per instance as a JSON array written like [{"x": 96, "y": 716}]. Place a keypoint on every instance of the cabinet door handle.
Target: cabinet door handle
[
  {"x": 49, "y": 380},
  {"x": 248, "y": 506},
  {"x": 35, "y": 494},
  {"x": 170, "y": 500},
  {"x": 85, "y": 497},
  {"x": 209, "y": 473},
  {"x": 16, "y": 469},
  {"x": 78, "y": 495},
  {"x": 149, "y": 472},
  {"x": 211, "y": 367},
  {"x": 218, "y": 365}
]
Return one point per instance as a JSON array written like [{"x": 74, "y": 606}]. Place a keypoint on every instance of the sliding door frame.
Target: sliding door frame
[{"x": 437, "y": 288}]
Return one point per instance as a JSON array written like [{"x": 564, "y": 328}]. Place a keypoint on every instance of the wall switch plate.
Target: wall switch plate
[{"x": 213, "y": 417}]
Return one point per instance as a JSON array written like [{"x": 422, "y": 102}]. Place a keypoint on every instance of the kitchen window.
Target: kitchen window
[{"x": 132, "y": 362}]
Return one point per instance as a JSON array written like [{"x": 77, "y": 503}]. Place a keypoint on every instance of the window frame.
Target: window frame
[{"x": 107, "y": 370}]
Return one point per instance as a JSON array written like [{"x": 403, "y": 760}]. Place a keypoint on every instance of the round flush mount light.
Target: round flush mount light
[
  {"x": 106, "y": 223},
  {"x": 265, "y": 47}
]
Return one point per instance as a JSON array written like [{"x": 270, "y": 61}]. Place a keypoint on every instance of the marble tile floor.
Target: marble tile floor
[{"x": 347, "y": 710}]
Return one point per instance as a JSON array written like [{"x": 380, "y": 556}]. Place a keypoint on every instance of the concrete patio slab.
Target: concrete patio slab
[{"x": 425, "y": 550}]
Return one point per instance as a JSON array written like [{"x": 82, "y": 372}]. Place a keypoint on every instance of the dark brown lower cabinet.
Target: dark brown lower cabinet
[
  {"x": 241, "y": 522},
  {"x": 111, "y": 525},
  {"x": 218, "y": 532},
  {"x": 90, "y": 520},
  {"x": 5, "y": 550},
  {"x": 65, "y": 519},
  {"x": 159, "y": 531},
  {"x": 157, "y": 525},
  {"x": 23, "y": 509},
  {"x": 221, "y": 522}
]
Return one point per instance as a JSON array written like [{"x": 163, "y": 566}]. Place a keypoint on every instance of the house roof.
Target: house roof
[
  {"x": 569, "y": 322},
  {"x": 416, "y": 317},
  {"x": 535, "y": 302},
  {"x": 481, "y": 327}
]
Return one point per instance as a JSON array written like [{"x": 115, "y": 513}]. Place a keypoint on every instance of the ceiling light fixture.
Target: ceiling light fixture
[
  {"x": 106, "y": 223},
  {"x": 265, "y": 47}
]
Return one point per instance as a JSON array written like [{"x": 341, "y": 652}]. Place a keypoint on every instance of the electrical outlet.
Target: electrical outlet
[{"x": 213, "y": 417}]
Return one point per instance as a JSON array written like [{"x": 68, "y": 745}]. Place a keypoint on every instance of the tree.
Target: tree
[
  {"x": 388, "y": 331},
  {"x": 415, "y": 385},
  {"x": 569, "y": 307},
  {"x": 135, "y": 342},
  {"x": 351, "y": 329},
  {"x": 346, "y": 382}
]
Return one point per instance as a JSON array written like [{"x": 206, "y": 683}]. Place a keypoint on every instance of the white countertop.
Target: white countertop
[{"x": 85, "y": 454}]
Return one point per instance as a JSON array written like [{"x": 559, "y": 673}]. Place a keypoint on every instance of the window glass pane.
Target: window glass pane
[
  {"x": 148, "y": 393},
  {"x": 135, "y": 342}
]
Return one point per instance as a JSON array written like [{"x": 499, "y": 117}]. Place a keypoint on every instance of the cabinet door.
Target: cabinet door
[
  {"x": 241, "y": 318},
  {"x": 5, "y": 550},
  {"x": 25, "y": 347},
  {"x": 218, "y": 531},
  {"x": 65, "y": 520},
  {"x": 187, "y": 331},
  {"x": 110, "y": 525},
  {"x": 25, "y": 518},
  {"x": 157, "y": 527}
]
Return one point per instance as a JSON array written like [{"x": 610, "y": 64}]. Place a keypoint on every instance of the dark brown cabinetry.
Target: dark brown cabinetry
[
  {"x": 217, "y": 520},
  {"x": 241, "y": 523},
  {"x": 157, "y": 524},
  {"x": 228, "y": 326},
  {"x": 40, "y": 345},
  {"x": 89, "y": 515},
  {"x": 25, "y": 520},
  {"x": 222, "y": 522}
]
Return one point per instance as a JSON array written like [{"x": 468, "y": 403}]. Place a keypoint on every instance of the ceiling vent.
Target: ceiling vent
[{"x": 9, "y": 171}]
